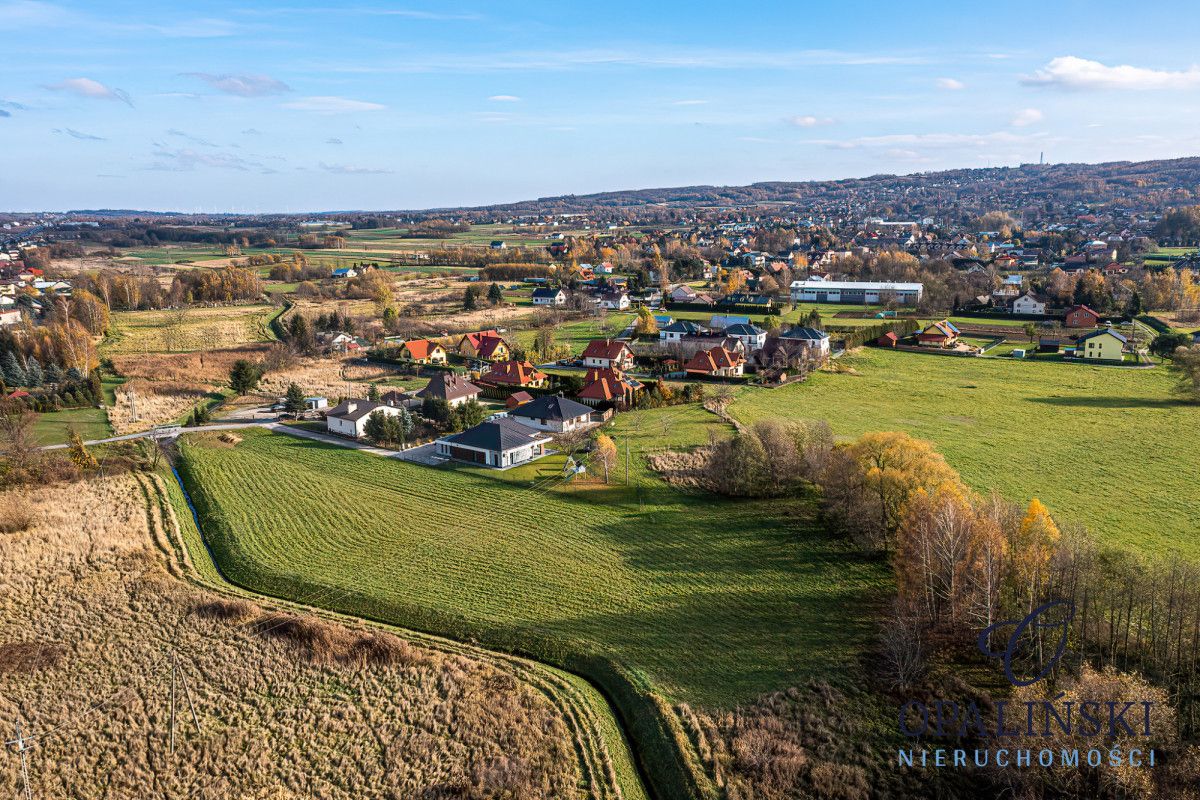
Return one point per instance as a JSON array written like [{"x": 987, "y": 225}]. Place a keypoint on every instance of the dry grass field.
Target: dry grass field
[
  {"x": 141, "y": 404},
  {"x": 200, "y": 366},
  {"x": 188, "y": 329},
  {"x": 289, "y": 705}
]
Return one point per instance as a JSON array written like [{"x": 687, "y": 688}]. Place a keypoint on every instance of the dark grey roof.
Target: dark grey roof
[
  {"x": 449, "y": 386},
  {"x": 683, "y": 326},
  {"x": 354, "y": 410},
  {"x": 544, "y": 291},
  {"x": 551, "y": 407},
  {"x": 744, "y": 330},
  {"x": 808, "y": 334},
  {"x": 500, "y": 434}
]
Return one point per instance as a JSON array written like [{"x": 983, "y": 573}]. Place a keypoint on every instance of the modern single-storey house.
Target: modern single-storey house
[
  {"x": 864, "y": 292},
  {"x": 545, "y": 296},
  {"x": 1081, "y": 317},
  {"x": 350, "y": 417},
  {"x": 1105, "y": 345},
  {"x": 608, "y": 353},
  {"x": 501, "y": 442},
  {"x": 452, "y": 388},
  {"x": 553, "y": 413},
  {"x": 423, "y": 351}
]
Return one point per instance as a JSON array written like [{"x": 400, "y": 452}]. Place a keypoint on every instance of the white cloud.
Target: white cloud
[
  {"x": 344, "y": 169},
  {"x": 187, "y": 160},
  {"x": 1070, "y": 72},
  {"x": 950, "y": 84},
  {"x": 243, "y": 85},
  {"x": 1026, "y": 117},
  {"x": 504, "y": 98},
  {"x": 809, "y": 121},
  {"x": 690, "y": 103},
  {"x": 86, "y": 87},
  {"x": 332, "y": 105}
]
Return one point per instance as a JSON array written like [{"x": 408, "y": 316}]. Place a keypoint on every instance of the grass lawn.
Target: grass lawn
[
  {"x": 713, "y": 602},
  {"x": 92, "y": 423},
  {"x": 578, "y": 333},
  {"x": 188, "y": 329},
  {"x": 1105, "y": 447}
]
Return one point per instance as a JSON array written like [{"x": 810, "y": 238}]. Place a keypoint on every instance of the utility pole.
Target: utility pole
[
  {"x": 21, "y": 746},
  {"x": 179, "y": 676}
]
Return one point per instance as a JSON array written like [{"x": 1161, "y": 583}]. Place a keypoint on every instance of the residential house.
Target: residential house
[
  {"x": 423, "y": 351},
  {"x": 615, "y": 301},
  {"x": 350, "y": 417},
  {"x": 451, "y": 387},
  {"x": 514, "y": 373},
  {"x": 606, "y": 385},
  {"x": 722, "y": 321},
  {"x": 752, "y": 336},
  {"x": 746, "y": 299},
  {"x": 716, "y": 362},
  {"x": 470, "y": 343},
  {"x": 345, "y": 272},
  {"x": 1081, "y": 317},
  {"x": 497, "y": 244},
  {"x": 679, "y": 329},
  {"x": 545, "y": 296},
  {"x": 489, "y": 348},
  {"x": 553, "y": 413},
  {"x": 814, "y": 340},
  {"x": 10, "y": 318},
  {"x": 500, "y": 442},
  {"x": 608, "y": 353},
  {"x": 1103, "y": 345},
  {"x": 939, "y": 334},
  {"x": 1028, "y": 303}
]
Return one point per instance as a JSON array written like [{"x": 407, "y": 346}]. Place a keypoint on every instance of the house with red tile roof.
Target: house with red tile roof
[
  {"x": 423, "y": 351},
  {"x": 470, "y": 343},
  {"x": 604, "y": 385},
  {"x": 514, "y": 373},
  {"x": 608, "y": 354},
  {"x": 716, "y": 362},
  {"x": 1081, "y": 317}
]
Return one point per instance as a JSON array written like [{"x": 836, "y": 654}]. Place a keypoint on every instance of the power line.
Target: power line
[{"x": 21, "y": 745}]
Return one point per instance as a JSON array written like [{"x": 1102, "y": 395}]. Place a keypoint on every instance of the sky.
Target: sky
[{"x": 293, "y": 106}]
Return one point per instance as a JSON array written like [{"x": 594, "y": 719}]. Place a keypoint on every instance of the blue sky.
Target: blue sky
[{"x": 293, "y": 106}]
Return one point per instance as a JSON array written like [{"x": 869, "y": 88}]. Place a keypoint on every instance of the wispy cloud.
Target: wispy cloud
[
  {"x": 950, "y": 84},
  {"x": 251, "y": 132},
  {"x": 86, "y": 87},
  {"x": 24, "y": 15},
  {"x": 689, "y": 103},
  {"x": 4, "y": 113},
  {"x": 810, "y": 121},
  {"x": 332, "y": 105},
  {"x": 916, "y": 141},
  {"x": 346, "y": 169},
  {"x": 333, "y": 140},
  {"x": 74, "y": 134},
  {"x": 9, "y": 104},
  {"x": 243, "y": 85},
  {"x": 188, "y": 160},
  {"x": 1026, "y": 117},
  {"x": 1071, "y": 72},
  {"x": 504, "y": 98},
  {"x": 189, "y": 137}
]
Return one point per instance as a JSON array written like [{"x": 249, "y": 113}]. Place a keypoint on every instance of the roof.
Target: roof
[
  {"x": 516, "y": 398},
  {"x": 1106, "y": 331},
  {"x": 421, "y": 348},
  {"x": 607, "y": 384},
  {"x": 804, "y": 333},
  {"x": 513, "y": 373},
  {"x": 682, "y": 326},
  {"x": 449, "y": 386},
  {"x": 1091, "y": 311},
  {"x": 744, "y": 330},
  {"x": 354, "y": 410},
  {"x": 604, "y": 348},
  {"x": 478, "y": 336},
  {"x": 489, "y": 345},
  {"x": 713, "y": 360},
  {"x": 551, "y": 407},
  {"x": 500, "y": 434},
  {"x": 545, "y": 291},
  {"x": 862, "y": 285},
  {"x": 944, "y": 328}
]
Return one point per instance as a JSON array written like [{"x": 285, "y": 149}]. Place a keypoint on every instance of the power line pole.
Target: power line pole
[
  {"x": 179, "y": 677},
  {"x": 22, "y": 745}
]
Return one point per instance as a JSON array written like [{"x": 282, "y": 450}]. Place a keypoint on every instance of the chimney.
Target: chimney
[{"x": 351, "y": 406}]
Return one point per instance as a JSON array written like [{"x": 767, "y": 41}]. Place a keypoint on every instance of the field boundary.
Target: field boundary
[{"x": 595, "y": 736}]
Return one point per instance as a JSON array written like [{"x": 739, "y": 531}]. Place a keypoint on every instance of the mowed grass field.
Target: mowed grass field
[
  {"x": 713, "y": 602},
  {"x": 186, "y": 330},
  {"x": 1108, "y": 448}
]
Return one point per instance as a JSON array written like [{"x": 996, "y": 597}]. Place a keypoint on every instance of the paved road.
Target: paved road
[{"x": 153, "y": 434}]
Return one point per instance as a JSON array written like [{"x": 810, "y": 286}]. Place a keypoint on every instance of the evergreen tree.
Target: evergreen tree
[
  {"x": 33, "y": 372},
  {"x": 300, "y": 334},
  {"x": 495, "y": 294},
  {"x": 469, "y": 299},
  {"x": 294, "y": 400},
  {"x": 244, "y": 376},
  {"x": 74, "y": 374},
  {"x": 373, "y": 393},
  {"x": 14, "y": 375},
  {"x": 54, "y": 373}
]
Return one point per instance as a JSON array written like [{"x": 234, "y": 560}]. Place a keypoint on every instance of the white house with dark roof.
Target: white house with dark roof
[
  {"x": 752, "y": 336},
  {"x": 547, "y": 296},
  {"x": 553, "y": 413},
  {"x": 350, "y": 417},
  {"x": 500, "y": 443},
  {"x": 815, "y": 341}
]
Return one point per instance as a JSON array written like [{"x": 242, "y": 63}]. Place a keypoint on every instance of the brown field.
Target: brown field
[
  {"x": 188, "y": 329},
  {"x": 289, "y": 705},
  {"x": 211, "y": 367},
  {"x": 156, "y": 403},
  {"x": 322, "y": 376}
]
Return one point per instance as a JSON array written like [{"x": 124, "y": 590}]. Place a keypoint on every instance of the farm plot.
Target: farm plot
[
  {"x": 188, "y": 329},
  {"x": 1106, "y": 448},
  {"x": 286, "y": 703},
  {"x": 714, "y": 602}
]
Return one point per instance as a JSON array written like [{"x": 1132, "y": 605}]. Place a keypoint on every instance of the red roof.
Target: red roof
[
  {"x": 709, "y": 361},
  {"x": 19, "y": 393},
  {"x": 605, "y": 349},
  {"x": 475, "y": 338},
  {"x": 488, "y": 346},
  {"x": 1093, "y": 312},
  {"x": 513, "y": 373},
  {"x": 420, "y": 348},
  {"x": 517, "y": 398}
]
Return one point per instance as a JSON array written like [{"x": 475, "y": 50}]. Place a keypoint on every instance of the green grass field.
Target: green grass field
[
  {"x": 1108, "y": 448},
  {"x": 714, "y": 602},
  {"x": 188, "y": 329}
]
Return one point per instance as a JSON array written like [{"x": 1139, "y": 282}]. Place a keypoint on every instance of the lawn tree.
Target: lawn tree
[
  {"x": 1185, "y": 366},
  {"x": 384, "y": 428},
  {"x": 605, "y": 453},
  {"x": 646, "y": 325},
  {"x": 436, "y": 410},
  {"x": 300, "y": 335},
  {"x": 1165, "y": 344},
  {"x": 78, "y": 452},
  {"x": 14, "y": 373},
  {"x": 33, "y": 372},
  {"x": 244, "y": 376},
  {"x": 495, "y": 294},
  {"x": 1031, "y": 332},
  {"x": 293, "y": 401},
  {"x": 470, "y": 301},
  {"x": 467, "y": 415}
]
